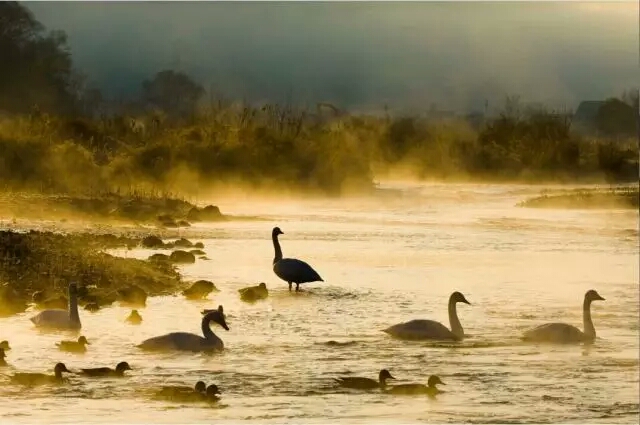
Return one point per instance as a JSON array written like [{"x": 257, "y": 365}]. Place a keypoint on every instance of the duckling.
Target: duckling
[
  {"x": 133, "y": 295},
  {"x": 169, "y": 391},
  {"x": 107, "y": 371},
  {"x": 41, "y": 378},
  {"x": 411, "y": 389},
  {"x": 92, "y": 307},
  {"x": 5, "y": 345},
  {"x": 199, "y": 290},
  {"x": 365, "y": 383},
  {"x": 134, "y": 318},
  {"x": 79, "y": 346},
  {"x": 254, "y": 293},
  {"x": 3, "y": 362}
]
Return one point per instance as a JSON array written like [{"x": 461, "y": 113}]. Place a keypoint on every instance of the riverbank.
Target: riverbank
[{"x": 617, "y": 198}]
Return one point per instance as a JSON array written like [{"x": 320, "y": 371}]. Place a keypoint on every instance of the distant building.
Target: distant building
[{"x": 584, "y": 119}]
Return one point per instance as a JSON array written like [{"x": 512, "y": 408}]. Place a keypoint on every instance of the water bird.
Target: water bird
[
  {"x": 134, "y": 318},
  {"x": 291, "y": 270},
  {"x": 412, "y": 389},
  {"x": 5, "y": 345},
  {"x": 27, "y": 378},
  {"x": 61, "y": 319},
  {"x": 173, "y": 392},
  {"x": 92, "y": 307},
  {"x": 79, "y": 346},
  {"x": 254, "y": 293},
  {"x": 120, "y": 369},
  {"x": 429, "y": 329},
  {"x": 184, "y": 341},
  {"x": 199, "y": 290},
  {"x": 562, "y": 333},
  {"x": 365, "y": 383},
  {"x": 3, "y": 362}
]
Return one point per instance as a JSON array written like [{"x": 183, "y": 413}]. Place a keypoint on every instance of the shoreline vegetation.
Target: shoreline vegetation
[{"x": 610, "y": 198}]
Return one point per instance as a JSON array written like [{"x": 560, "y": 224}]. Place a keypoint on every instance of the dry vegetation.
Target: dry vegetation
[{"x": 614, "y": 198}]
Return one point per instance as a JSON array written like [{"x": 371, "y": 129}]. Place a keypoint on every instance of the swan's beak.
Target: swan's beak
[
  {"x": 391, "y": 377},
  {"x": 224, "y": 325},
  {"x": 466, "y": 302},
  {"x": 600, "y": 298}
]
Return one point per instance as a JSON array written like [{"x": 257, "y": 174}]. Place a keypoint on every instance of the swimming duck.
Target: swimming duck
[
  {"x": 92, "y": 307},
  {"x": 41, "y": 378},
  {"x": 254, "y": 293},
  {"x": 134, "y": 318},
  {"x": 291, "y": 270},
  {"x": 365, "y": 383},
  {"x": 184, "y": 341},
  {"x": 212, "y": 392},
  {"x": 199, "y": 290},
  {"x": 5, "y": 345},
  {"x": 562, "y": 333},
  {"x": 172, "y": 392},
  {"x": 61, "y": 319},
  {"x": 430, "y": 329},
  {"x": 3, "y": 362},
  {"x": 107, "y": 371},
  {"x": 411, "y": 389},
  {"x": 79, "y": 346}
]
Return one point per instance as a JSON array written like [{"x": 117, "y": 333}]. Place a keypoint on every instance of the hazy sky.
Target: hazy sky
[{"x": 360, "y": 55}]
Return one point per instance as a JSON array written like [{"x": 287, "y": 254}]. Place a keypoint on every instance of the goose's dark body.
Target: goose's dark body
[{"x": 291, "y": 270}]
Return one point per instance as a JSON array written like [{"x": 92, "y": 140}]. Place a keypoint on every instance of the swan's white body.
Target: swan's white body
[
  {"x": 184, "y": 341},
  {"x": 562, "y": 333},
  {"x": 430, "y": 329},
  {"x": 61, "y": 319}
]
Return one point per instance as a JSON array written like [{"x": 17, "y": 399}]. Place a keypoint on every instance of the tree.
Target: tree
[{"x": 173, "y": 92}]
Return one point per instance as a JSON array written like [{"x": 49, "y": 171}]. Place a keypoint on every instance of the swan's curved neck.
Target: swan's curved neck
[
  {"x": 58, "y": 374},
  {"x": 456, "y": 327},
  {"x": 278, "y": 250},
  {"x": 73, "y": 306},
  {"x": 207, "y": 332},
  {"x": 589, "y": 330}
]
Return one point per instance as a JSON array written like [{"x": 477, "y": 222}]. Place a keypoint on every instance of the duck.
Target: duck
[
  {"x": 172, "y": 392},
  {"x": 291, "y": 270},
  {"x": 79, "y": 346},
  {"x": 430, "y": 329},
  {"x": 412, "y": 389},
  {"x": 199, "y": 290},
  {"x": 26, "y": 378},
  {"x": 211, "y": 395},
  {"x": 3, "y": 362},
  {"x": 562, "y": 333},
  {"x": 133, "y": 295},
  {"x": 5, "y": 345},
  {"x": 365, "y": 383},
  {"x": 254, "y": 293},
  {"x": 107, "y": 371},
  {"x": 184, "y": 341},
  {"x": 61, "y": 319},
  {"x": 134, "y": 318},
  {"x": 92, "y": 307}
]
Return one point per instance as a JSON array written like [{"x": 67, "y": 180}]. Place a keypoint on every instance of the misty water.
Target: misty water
[{"x": 386, "y": 258}]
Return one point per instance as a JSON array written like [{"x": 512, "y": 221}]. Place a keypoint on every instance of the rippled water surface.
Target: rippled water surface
[{"x": 385, "y": 259}]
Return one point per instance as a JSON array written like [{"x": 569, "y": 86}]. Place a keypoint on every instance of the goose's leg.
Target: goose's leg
[
  {"x": 297, "y": 287},
  {"x": 289, "y": 286}
]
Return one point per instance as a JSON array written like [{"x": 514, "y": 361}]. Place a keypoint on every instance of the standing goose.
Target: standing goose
[
  {"x": 411, "y": 389},
  {"x": 61, "y": 319},
  {"x": 365, "y": 383},
  {"x": 430, "y": 329},
  {"x": 184, "y": 341},
  {"x": 41, "y": 378},
  {"x": 79, "y": 346},
  {"x": 562, "y": 333},
  {"x": 119, "y": 371},
  {"x": 291, "y": 270}
]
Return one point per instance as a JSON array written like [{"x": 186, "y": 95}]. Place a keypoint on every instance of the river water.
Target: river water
[{"x": 385, "y": 259}]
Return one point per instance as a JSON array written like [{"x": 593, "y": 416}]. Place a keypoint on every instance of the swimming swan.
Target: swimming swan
[
  {"x": 3, "y": 362},
  {"x": 79, "y": 346},
  {"x": 430, "y": 329},
  {"x": 365, "y": 383},
  {"x": 183, "y": 341},
  {"x": 411, "y": 389},
  {"x": 562, "y": 333},
  {"x": 61, "y": 319},
  {"x": 120, "y": 369},
  {"x": 291, "y": 270},
  {"x": 41, "y": 378}
]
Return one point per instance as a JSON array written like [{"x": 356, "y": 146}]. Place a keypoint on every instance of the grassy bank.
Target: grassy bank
[
  {"x": 45, "y": 261},
  {"x": 619, "y": 198}
]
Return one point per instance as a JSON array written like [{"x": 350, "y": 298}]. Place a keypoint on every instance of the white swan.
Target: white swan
[
  {"x": 61, "y": 319},
  {"x": 562, "y": 333},
  {"x": 184, "y": 341},
  {"x": 430, "y": 329}
]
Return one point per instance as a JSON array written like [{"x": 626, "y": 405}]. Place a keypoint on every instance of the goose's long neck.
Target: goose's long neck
[
  {"x": 589, "y": 330},
  {"x": 73, "y": 307},
  {"x": 207, "y": 332},
  {"x": 278, "y": 250},
  {"x": 456, "y": 327}
]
